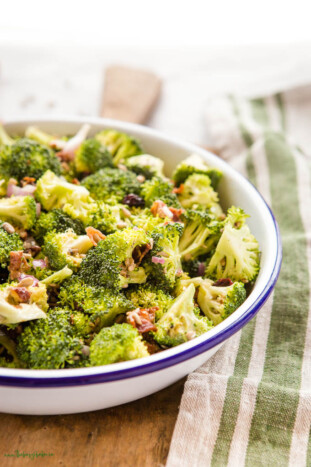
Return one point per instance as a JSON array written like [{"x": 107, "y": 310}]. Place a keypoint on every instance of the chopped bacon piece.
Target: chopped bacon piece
[
  {"x": 140, "y": 252},
  {"x": 176, "y": 214},
  {"x": 142, "y": 319},
  {"x": 28, "y": 181},
  {"x": 18, "y": 264},
  {"x": 75, "y": 181},
  {"x": 159, "y": 208},
  {"x": 178, "y": 190},
  {"x": 225, "y": 282},
  {"x": 94, "y": 235},
  {"x": 19, "y": 294},
  {"x": 152, "y": 347}
]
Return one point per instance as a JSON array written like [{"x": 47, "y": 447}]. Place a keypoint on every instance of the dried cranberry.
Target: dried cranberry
[
  {"x": 225, "y": 282},
  {"x": 133, "y": 200}
]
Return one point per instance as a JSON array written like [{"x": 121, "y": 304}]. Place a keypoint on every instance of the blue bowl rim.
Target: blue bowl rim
[{"x": 62, "y": 381}]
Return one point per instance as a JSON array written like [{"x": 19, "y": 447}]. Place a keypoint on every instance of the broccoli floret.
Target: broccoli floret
[
  {"x": 146, "y": 165},
  {"x": 33, "y": 132},
  {"x": 57, "y": 221},
  {"x": 8, "y": 242},
  {"x": 27, "y": 158},
  {"x": 5, "y": 139},
  {"x": 119, "y": 343},
  {"x": 57, "y": 277},
  {"x": 66, "y": 248},
  {"x": 198, "y": 193},
  {"x": 112, "y": 185},
  {"x": 108, "y": 219},
  {"x": 19, "y": 303},
  {"x": 92, "y": 156},
  {"x": 147, "y": 296},
  {"x": 56, "y": 193},
  {"x": 164, "y": 264},
  {"x": 184, "y": 281},
  {"x": 120, "y": 145},
  {"x": 200, "y": 235},
  {"x": 219, "y": 301},
  {"x": 159, "y": 189},
  {"x": 114, "y": 263},
  {"x": 144, "y": 219},
  {"x": 194, "y": 164},
  {"x": 182, "y": 322},
  {"x": 101, "y": 302},
  {"x": 19, "y": 210},
  {"x": 237, "y": 252},
  {"x": 8, "y": 354},
  {"x": 50, "y": 343}
]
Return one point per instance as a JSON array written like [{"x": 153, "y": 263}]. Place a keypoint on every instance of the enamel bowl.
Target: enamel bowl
[{"x": 80, "y": 390}]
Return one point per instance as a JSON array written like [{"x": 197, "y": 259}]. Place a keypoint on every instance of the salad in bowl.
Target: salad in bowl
[{"x": 104, "y": 259}]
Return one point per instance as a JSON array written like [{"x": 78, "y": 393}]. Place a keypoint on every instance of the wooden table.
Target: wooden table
[{"x": 134, "y": 434}]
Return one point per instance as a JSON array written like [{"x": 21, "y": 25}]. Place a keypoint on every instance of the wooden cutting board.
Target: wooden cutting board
[{"x": 130, "y": 94}]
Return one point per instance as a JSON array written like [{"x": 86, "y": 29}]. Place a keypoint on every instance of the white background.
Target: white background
[
  {"x": 156, "y": 22},
  {"x": 53, "y": 54}
]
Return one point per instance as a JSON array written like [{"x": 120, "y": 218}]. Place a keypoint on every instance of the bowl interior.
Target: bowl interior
[{"x": 233, "y": 189}]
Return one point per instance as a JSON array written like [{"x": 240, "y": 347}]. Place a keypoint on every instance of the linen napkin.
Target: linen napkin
[{"x": 251, "y": 403}]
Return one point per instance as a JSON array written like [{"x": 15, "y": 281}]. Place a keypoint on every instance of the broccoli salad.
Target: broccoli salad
[{"x": 104, "y": 259}]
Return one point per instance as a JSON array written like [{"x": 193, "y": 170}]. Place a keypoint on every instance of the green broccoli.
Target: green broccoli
[
  {"x": 119, "y": 343},
  {"x": 198, "y": 193},
  {"x": 57, "y": 221},
  {"x": 56, "y": 193},
  {"x": 57, "y": 277},
  {"x": 19, "y": 303},
  {"x": 194, "y": 164},
  {"x": 5, "y": 139},
  {"x": 164, "y": 264},
  {"x": 8, "y": 242},
  {"x": 144, "y": 219},
  {"x": 115, "y": 262},
  {"x": 182, "y": 322},
  {"x": 120, "y": 145},
  {"x": 112, "y": 185},
  {"x": 159, "y": 189},
  {"x": 8, "y": 354},
  {"x": 19, "y": 210},
  {"x": 33, "y": 132},
  {"x": 92, "y": 156},
  {"x": 66, "y": 248},
  {"x": 237, "y": 252},
  {"x": 27, "y": 158},
  {"x": 200, "y": 235},
  {"x": 50, "y": 343},
  {"x": 219, "y": 300},
  {"x": 184, "y": 281},
  {"x": 101, "y": 302},
  {"x": 147, "y": 296},
  {"x": 146, "y": 165},
  {"x": 108, "y": 219}
]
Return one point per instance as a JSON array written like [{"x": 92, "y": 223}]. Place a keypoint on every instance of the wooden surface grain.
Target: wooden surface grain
[{"x": 135, "y": 434}]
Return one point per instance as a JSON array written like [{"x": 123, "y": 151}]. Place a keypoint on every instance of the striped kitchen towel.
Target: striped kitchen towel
[{"x": 251, "y": 403}]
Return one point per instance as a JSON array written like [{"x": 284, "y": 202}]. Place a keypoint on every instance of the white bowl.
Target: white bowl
[{"x": 80, "y": 390}]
